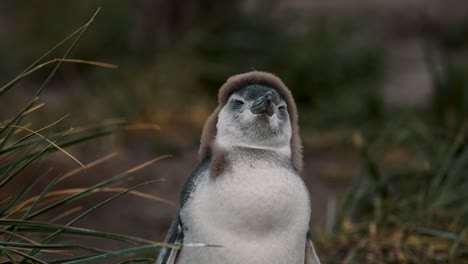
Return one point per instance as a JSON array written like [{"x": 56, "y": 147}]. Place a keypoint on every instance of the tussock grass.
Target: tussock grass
[
  {"x": 413, "y": 212},
  {"x": 29, "y": 231}
]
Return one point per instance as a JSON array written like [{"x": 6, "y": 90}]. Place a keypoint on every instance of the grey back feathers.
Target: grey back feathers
[
  {"x": 234, "y": 84},
  {"x": 190, "y": 183}
]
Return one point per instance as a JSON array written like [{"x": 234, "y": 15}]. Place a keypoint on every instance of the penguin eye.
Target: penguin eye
[{"x": 239, "y": 102}]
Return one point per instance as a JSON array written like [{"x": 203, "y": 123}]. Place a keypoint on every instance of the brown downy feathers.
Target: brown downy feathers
[{"x": 207, "y": 149}]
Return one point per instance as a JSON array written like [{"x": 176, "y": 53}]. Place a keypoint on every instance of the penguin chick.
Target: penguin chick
[{"x": 246, "y": 195}]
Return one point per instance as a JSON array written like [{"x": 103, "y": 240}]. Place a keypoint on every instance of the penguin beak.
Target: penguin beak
[{"x": 263, "y": 105}]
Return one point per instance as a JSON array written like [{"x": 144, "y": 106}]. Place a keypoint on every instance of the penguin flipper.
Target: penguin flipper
[
  {"x": 175, "y": 235},
  {"x": 310, "y": 254}
]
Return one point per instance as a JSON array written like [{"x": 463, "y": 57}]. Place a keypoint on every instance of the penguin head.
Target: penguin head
[
  {"x": 254, "y": 109},
  {"x": 254, "y": 116}
]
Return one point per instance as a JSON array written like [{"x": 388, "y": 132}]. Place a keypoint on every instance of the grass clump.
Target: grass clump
[
  {"x": 411, "y": 207},
  {"x": 37, "y": 221}
]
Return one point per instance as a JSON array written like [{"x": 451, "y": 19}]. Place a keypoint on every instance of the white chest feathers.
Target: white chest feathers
[{"x": 258, "y": 211}]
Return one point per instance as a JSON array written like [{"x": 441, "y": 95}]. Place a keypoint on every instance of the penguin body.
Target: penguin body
[
  {"x": 246, "y": 195},
  {"x": 266, "y": 224}
]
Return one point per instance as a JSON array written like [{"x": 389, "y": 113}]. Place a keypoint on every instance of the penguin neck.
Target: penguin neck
[
  {"x": 284, "y": 151},
  {"x": 224, "y": 156}
]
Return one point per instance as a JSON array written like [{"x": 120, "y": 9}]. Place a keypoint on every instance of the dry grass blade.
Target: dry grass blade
[
  {"x": 118, "y": 121},
  {"x": 87, "y": 166},
  {"x": 20, "y": 236},
  {"x": 79, "y": 32},
  {"x": 39, "y": 130},
  {"x": 51, "y": 143},
  {"x": 456, "y": 244},
  {"x": 19, "y": 253},
  {"x": 14, "y": 120},
  {"x": 143, "y": 126},
  {"x": 5, "y": 200},
  {"x": 33, "y": 109},
  {"x": 66, "y": 213},
  {"x": 20, "y": 206},
  {"x": 109, "y": 122},
  {"x": 57, "y": 195},
  {"x": 95, "y": 63},
  {"x": 17, "y": 131},
  {"x": 58, "y": 252},
  {"x": 139, "y": 194},
  {"x": 139, "y": 167},
  {"x": 57, "y": 66},
  {"x": 352, "y": 253}
]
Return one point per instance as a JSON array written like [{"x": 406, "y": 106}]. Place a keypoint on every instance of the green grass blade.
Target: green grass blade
[
  {"x": 76, "y": 219},
  {"x": 89, "y": 190},
  {"x": 113, "y": 254},
  {"x": 21, "y": 76},
  {"x": 456, "y": 245},
  {"x": 9, "y": 256},
  {"x": 17, "y": 252},
  {"x": 72, "y": 222},
  {"x": 435, "y": 188},
  {"x": 16, "y": 161},
  {"x": 41, "y": 196},
  {"x": 23, "y": 165},
  {"x": 25, "y": 189},
  {"x": 14, "y": 120},
  {"x": 50, "y": 246},
  {"x": 97, "y": 132},
  {"x": 144, "y": 260},
  {"x": 24, "y": 74},
  {"x": 47, "y": 228},
  {"x": 24, "y": 138},
  {"x": 438, "y": 233},
  {"x": 351, "y": 198}
]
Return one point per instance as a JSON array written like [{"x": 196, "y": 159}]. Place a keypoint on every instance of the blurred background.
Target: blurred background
[{"x": 381, "y": 86}]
